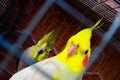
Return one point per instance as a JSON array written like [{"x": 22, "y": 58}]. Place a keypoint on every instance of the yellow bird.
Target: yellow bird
[
  {"x": 41, "y": 50},
  {"x": 67, "y": 65}
]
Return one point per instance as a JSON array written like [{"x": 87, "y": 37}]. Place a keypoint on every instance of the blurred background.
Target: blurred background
[{"x": 24, "y": 22}]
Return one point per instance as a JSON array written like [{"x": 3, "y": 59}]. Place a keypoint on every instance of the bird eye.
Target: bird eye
[
  {"x": 77, "y": 46},
  {"x": 40, "y": 51},
  {"x": 86, "y": 51},
  {"x": 50, "y": 51}
]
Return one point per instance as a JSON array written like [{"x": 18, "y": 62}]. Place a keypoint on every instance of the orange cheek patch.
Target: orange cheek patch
[{"x": 85, "y": 61}]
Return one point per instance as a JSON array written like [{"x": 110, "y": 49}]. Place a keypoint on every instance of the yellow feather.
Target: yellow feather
[{"x": 97, "y": 23}]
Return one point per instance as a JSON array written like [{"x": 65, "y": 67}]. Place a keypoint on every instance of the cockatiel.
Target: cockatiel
[
  {"x": 41, "y": 50},
  {"x": 69, "y": 64}
]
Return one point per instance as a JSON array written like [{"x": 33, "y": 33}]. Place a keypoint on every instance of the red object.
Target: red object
[{"x": 85, "y": 61}]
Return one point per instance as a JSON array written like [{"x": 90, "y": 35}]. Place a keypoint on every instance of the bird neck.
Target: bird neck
[{"x": 62, "y": 57}]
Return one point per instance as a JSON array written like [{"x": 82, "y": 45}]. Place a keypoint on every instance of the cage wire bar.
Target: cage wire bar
[
  {"x": 3, "y": 3},
  {"x": 101, "y": 8},
  {"x": 40, "y": 14},
  {"x": 13, "y": 49}
]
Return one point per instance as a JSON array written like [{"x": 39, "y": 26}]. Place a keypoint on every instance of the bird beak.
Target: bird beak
[{"x": 72, "y": 50}]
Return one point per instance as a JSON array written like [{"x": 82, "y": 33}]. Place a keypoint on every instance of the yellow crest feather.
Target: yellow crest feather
[{"x": 97, "y": 23}]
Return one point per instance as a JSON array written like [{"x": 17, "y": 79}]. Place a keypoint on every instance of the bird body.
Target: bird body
[{"x": 69, "y": 64}]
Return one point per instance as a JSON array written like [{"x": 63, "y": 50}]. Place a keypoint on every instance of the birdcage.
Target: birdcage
[{"x": 24, "y": 22}]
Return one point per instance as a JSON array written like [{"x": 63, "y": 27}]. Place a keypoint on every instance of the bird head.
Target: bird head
[
  {"x": 77, "y": 51},
  {"x": 45, "y": 45}
]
